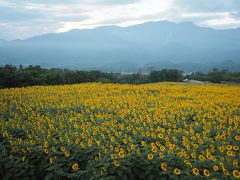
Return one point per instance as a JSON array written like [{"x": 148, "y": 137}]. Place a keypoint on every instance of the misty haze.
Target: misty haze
[{"x": 159, "y": 44}]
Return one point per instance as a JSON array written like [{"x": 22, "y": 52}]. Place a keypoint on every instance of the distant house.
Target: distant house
[{"x": 193, "y": 81}]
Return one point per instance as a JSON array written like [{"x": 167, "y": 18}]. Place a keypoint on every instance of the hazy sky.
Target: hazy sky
[{"x": 26, "y": 18}]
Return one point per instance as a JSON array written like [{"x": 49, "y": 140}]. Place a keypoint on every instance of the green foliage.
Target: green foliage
[
  {"x": 216, "y": 76},
  {"x": 172, "y": 75},
  {"x": 11, "y": 76}
]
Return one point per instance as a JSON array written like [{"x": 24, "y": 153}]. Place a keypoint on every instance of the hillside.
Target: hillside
[{"x": 184, "y": 46}]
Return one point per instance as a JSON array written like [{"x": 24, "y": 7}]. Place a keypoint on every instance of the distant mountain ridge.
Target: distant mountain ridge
[{"x": 145, "y": 44}]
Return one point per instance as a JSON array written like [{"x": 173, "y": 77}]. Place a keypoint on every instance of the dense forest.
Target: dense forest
[{"x": 12, "y": 76}]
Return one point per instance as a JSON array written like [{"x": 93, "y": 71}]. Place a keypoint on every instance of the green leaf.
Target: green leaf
[
  {"x": 49, "y": 176},
  {"x": 82, "y": 172},
  {"x": 73, "y": 175},
  {"x": 60, "y": 172}
]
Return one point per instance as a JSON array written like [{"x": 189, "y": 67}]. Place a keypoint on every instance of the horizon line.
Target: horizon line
[{"x": 119, "y": 26}]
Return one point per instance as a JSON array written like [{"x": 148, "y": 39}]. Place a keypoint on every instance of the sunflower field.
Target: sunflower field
[{"x": 113, "y": 131}]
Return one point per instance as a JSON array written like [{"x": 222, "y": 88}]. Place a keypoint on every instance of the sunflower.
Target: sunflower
[
  {"x": 236, "y": 173},
  {"x": 230, "y": 153},
  {"x": 164, "y": 166},
  {"x": 51, "y": 160},
  {"x": 193, "y": 155},
  {"x": 63, "y": 148},
  {"x": 75, "y": 126},
  {"x": 221, "y": 164},
  {"x": 154, "y": 149},
  {"x": 45, "y": 144},
  {"x": 133, "y": 147},
  {"x": 46, "y": 151},
  {"x": 33, "y": 142},
  {"x": 67, "y": 154},
  {"x": 158, "y": 143},
  {"x": 160, "y": 136},
  {"x": 188, "y": 163},
  {"x": 214, "y": 158},
  {"x": 116, "y": 163},
  {"x": 206, "y": 172},
  {"x": 237, "y": 137},
  {"x": 235, "y": 163},
  {"x": 121, "y": 154},
  {"x": 116, "y": 149},
  {"x": 138, "y": 151},
  {"x": 195, "y": 146},
  {"x": 229, "y": 147},
  {"x": 236, "y": 148},
  {"x": 143, "y": 143},
  {"x": 150, "y": 156},
  {"x": 225, "y": 171},
  {"x": 162, "y": 148},
  {"x": 209, "y": 157},
  {"x": 215, "y": 168},
  {"x": 177, "y": 171},
  {"x": 195, "y": 171},
  {"x": 75, "y": 166},
  {"x": 221, "y": 149},
  {"x": 113, "y": 156},
  {"x": 201, "y": 158}
]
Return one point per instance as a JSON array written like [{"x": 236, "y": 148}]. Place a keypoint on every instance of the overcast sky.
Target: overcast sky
[{"x": 27, "y": 18}]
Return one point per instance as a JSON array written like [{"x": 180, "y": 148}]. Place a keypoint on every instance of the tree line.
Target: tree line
[
  {"x": 216, "y": 76},
  {"x": 12, "y": 76}
]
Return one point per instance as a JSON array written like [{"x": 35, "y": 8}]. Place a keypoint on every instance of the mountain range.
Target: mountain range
[{"x": 160, "y": 44}]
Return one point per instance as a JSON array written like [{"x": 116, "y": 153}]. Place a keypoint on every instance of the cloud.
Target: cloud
[
  {"x": 12, "y": 14},
  {"x": 208, "y": 5},
  {"x": 112, "y": 2},
  {"x": 123, "y": 15},
  {"x": 23, "y": 30},
  {"x": 105, "y": 2},
  {"x": 22, "y": 20},
  {"x": 218, "y": 20},
  {"x": 235, "y": 14},
  {"x": 26, "y": 18},
  {"x": 224, "y": 22}
]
